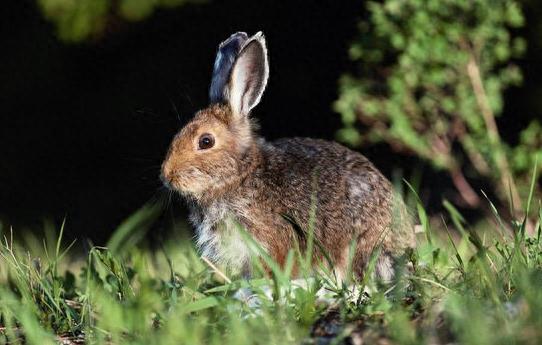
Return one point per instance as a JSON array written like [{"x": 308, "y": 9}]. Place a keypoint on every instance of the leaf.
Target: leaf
[{"x": 201, "y": 304}]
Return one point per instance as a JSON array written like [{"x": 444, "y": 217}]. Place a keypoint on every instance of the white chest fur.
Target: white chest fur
[{"x": 219, "y": 237}]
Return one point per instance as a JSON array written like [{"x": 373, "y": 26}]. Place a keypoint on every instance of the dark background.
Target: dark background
[{"x": 84, "y": 127}]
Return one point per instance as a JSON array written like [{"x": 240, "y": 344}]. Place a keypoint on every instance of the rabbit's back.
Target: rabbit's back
[
  {"x": 335, "y": 177},
  {"x": 349, "y": 196}
]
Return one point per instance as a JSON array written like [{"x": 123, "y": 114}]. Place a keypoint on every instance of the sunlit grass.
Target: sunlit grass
[{"x": 458, "y": 286}]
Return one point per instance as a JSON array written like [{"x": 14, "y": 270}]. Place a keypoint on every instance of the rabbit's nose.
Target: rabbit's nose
[
  {"x": 165, "y": 175},
  {"x": 165, "y": 180}
]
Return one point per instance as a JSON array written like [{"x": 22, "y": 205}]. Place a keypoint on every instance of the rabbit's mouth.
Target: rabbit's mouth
[
  {"x": 192, "y": 181},
  {"x": 174, "y": 182},
  {"x": 169, "y": 182}
]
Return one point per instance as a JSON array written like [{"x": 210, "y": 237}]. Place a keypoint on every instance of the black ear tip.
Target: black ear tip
[
  {"x": 237, "y": 39},
  {"x": 240, "y": 34}
]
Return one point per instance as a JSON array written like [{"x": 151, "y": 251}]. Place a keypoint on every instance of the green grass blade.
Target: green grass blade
[
  {"x": 532, "y": 188},
  {"x": 132, "y": 230}
]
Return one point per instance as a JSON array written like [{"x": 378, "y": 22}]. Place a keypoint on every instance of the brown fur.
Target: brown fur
[{"x": 261, "y": 184}]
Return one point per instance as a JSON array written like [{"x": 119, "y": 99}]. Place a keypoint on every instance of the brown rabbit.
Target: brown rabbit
[{"x": 229, "y": 175}]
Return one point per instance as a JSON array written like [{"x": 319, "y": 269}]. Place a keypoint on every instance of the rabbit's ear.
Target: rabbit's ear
[
  {"x": 249, "y": 76},
  {"x": 225, "y": 58}
]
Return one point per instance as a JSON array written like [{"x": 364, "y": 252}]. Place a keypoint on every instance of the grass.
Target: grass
[{"x": 478, "y": 287}]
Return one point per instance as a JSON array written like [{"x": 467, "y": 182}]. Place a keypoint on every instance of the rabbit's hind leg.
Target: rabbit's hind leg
[{"x": 383, "y": 270}]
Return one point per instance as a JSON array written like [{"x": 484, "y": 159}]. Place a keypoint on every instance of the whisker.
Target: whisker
[
  {"x": 175, "y": 110},
  {"x": 146, "y": 111},
  {"x": 187, "y": 95},
  {"x": 172, "y": 196}
]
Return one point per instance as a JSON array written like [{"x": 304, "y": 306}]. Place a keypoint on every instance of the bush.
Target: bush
[{"x": 430, "y": 82}]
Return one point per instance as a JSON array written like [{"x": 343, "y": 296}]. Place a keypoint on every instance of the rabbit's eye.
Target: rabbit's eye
[{"x": 206, "y": 141}]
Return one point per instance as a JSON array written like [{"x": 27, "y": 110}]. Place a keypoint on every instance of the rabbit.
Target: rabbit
[{"x": 280, "y": 190}]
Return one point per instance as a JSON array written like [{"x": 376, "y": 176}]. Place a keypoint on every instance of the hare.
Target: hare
[{"x": 278, "y": 191}]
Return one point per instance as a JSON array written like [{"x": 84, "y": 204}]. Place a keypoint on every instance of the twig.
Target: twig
[
  {"x": 432, "y": 282},
  {"x": 217, "y": 271},
  {"x": 473, "y": 71},
  {"x": 70, "y": 340},
  {"x": 464, "y": 188}
]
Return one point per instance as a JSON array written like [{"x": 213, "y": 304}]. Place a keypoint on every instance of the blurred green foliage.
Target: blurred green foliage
[
  {"x": 430, "y": 82},
  {"x": 78, "y": 20}
]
